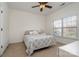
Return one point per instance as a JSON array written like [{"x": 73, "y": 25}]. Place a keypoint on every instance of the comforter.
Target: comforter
[{"x": 34, "y": 42}]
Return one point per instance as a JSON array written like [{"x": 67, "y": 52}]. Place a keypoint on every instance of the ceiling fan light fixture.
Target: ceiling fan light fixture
[{"x": 42, "y": 6}]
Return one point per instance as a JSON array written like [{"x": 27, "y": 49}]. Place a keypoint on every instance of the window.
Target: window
[
  {"x": 69, "y": 32},
  {"x": 69, "y": 22},
  {"x": 57, "y": 27},
  {"x": 65, "y": 27},
  {"x": 69, "y": 27},
  {"x": 58, "y": 24}
]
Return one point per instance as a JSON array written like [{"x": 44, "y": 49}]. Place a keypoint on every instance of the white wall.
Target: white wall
[
  {"x": 20, "y": 21},
  {"x": 70, "y": 10}
]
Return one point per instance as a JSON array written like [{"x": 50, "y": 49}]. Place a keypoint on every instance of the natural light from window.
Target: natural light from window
[{"x": 66, "y": 27}]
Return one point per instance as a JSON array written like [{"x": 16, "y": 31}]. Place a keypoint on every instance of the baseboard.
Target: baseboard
[
  {"x": 15, "y": 42},
  {"x": 4, "y": 50},
  {"x": 60, "y": 43}
]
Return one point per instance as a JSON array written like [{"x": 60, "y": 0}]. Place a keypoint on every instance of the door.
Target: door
[
  {"x": 0, "y": 28},
  {"x": 1, "y": 33},
  {"x": 3, "y": 27}
]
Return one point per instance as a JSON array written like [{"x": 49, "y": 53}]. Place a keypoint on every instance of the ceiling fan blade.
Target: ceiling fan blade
[
  {"x": 48, "y": 6},
  {"x": 42, "y": 2},
  {"x": 41, "y": 9},
  {"x": 35, "y": 6}
]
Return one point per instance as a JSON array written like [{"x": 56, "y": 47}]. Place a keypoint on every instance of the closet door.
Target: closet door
[
  {"x": 0, "y": 28},
  {"x": 4, "y": 27}
]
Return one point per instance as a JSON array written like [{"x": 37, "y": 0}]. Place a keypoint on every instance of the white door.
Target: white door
[
  {"x": 1, "y": 33},
  {"x": 0, "y": 30},
  {"x": 3, "y": 29}
]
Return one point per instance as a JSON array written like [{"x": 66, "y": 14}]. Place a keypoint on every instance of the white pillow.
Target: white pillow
[
  {"x": 33, "y": 33},
  {"x": 30, "y": 33}
]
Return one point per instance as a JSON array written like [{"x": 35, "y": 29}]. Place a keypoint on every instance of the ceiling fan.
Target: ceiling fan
[{"x": 42, "y": 5}]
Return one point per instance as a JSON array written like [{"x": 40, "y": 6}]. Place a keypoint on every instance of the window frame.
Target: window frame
[
  {"x": 62, "y": 28},
  {"x": 58, "y": 27}
]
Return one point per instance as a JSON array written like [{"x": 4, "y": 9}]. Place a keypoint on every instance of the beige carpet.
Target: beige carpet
[{"x": 18, "y": 50}]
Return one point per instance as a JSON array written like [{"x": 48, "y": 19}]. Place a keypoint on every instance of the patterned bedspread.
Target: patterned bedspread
[{"x": 34, "y": 42}]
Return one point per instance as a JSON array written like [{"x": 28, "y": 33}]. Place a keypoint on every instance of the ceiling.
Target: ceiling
[{"x": 27, "y": 6}]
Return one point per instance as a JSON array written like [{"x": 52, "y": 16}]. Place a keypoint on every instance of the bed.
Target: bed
[{"x": 36, "y": 40}]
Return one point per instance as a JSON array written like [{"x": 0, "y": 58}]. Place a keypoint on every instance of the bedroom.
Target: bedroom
[{"x": 22, "y": 18}]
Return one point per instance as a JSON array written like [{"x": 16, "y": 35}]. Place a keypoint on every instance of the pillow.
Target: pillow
[
  {"x": 41, "y": 32},
  {"x": 33, "y": 33},
  {"x": 26, "y": 33}
]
